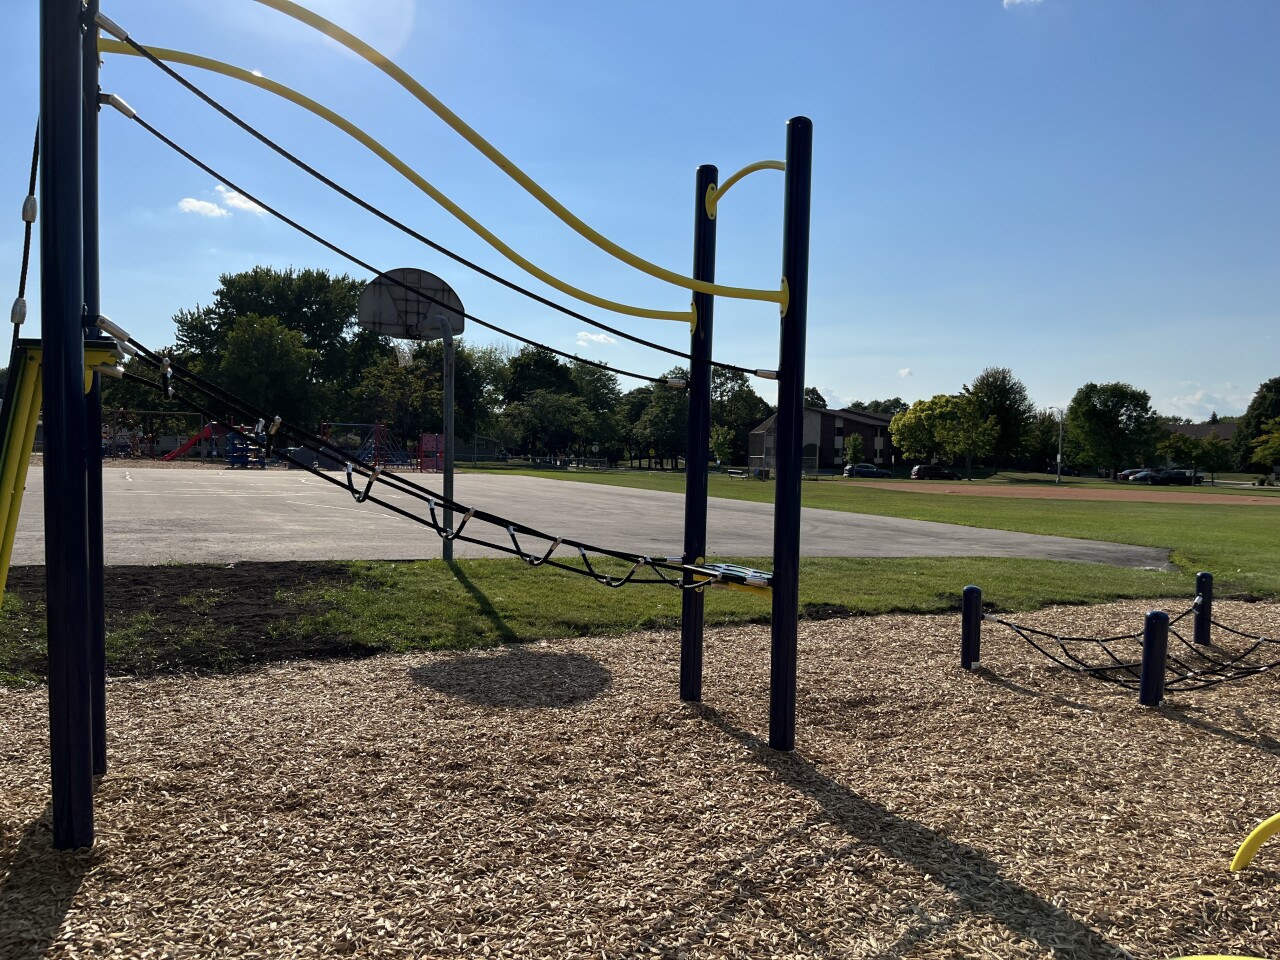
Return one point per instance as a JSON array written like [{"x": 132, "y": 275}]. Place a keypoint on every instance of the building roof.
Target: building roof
[{"x": 1200, "y": 431}]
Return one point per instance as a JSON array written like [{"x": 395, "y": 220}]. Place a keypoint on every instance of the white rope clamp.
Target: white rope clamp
[
  {"x": 29, "y": 209},
  {"x": 106, "y": 23},
  {"x": 112, "y": 330},
  {"x": 18, "y": 313},
  {"x": 115, "y": 100}
]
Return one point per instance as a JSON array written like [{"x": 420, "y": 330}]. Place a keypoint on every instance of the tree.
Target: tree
[
  {"x": 1264, "y": 406},
  {"x": 1215, "y": 454},
  {"x": 889, "y": 407},
  {"x": 600, "y": 395},
  {"x": 662, "y": 426},
  {"x": 963, "y": 430},
  {"x": 1181, "y": 450},
  {"x": 548, "y": 422},
  {"x": 913, "y": 431},
  {"x": 813, "y": 398},
  {"x": 1042, "y": 438},
  {"x": 734, "y": 404},
  {"x": 1111, "y": 425},
  {"x": 268, "y": 366},
  {"x": 1266, "y": 449},
  {"x": 999, "y": 395},
  {"x": 534, "y": 369},
  {"x": 721, "y": 443}
]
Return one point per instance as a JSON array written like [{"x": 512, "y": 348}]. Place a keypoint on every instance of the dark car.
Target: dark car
[
  {"x": 1165, "y": 478},
  {"x": 932, "y": 471},
  {"x": 865, "y": 470},
  {"x": 1128, "y": 474}
]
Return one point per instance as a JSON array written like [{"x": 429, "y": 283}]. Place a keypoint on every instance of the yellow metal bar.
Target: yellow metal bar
[
  {"x": 385, "y": 64},
  {"x": 18, "y": 441},
  {"x": 1259, "y": 836},
  {"x": 293, "y": 96},
  {"x": 716, "y": 191}
]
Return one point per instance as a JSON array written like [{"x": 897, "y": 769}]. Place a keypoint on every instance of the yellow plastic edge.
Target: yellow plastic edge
[
  {"x": 17, "y": 455},
  {"x": 301, "y": 100},
  {"x": 459, "y": 126},
  {"x": 1260, "y": 834}
]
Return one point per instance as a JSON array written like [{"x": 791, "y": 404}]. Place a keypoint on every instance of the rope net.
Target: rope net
[
  {"x": 1188, "y": 665},
  {"x": 369, "y": 483}
]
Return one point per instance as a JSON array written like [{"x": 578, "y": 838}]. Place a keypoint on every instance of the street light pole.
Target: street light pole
[{"x": 1061, "y": 417}]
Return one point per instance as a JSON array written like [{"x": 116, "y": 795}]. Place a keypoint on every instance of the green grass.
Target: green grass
[{"x": 359, "y": 608}]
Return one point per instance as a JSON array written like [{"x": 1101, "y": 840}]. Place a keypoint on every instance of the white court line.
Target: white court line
[{"x": 328, "y": 506}]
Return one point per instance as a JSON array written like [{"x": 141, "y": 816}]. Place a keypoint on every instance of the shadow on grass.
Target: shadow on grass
[
  {"x": 37, "y": 891},
  {"x": 973, "y": 879},
  {"x": 517, "y": 678},
  {"x": 485, "y": 606}
]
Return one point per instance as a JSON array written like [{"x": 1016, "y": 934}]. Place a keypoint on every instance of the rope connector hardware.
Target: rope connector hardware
[
  {"x": 18, "y": 313},
  {"x": 275, "y": 426},
  {"x": 675, "y": 383},
  {"x": 29, "y": 207},
  {"x": 109, "y": 370},
  {"x": 115, "y": 100},
  {"x": 106, "y": 23},
  {"x": 110, "y": 329}
]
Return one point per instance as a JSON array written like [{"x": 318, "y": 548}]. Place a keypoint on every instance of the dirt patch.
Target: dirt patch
[
  {"x": 202, "y": 617},
  {"x": 558, "y": 801},
  {"x": 1142, "y": 494}
]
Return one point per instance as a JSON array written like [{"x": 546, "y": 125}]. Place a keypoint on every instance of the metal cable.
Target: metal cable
[
  {"x": 374, "y": 270},
  {"x": 401, "y": 226}
]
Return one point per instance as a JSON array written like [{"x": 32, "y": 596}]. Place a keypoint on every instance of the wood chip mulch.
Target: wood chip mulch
[{"x": 557, "y": 800}]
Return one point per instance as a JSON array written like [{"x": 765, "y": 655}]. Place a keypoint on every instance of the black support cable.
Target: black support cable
[
  {"x": 19, "y": 315},
  {"x": 401, "y": 226},
  {"x": 374, "y": 270},
  {"x": 403, "y": 485}
]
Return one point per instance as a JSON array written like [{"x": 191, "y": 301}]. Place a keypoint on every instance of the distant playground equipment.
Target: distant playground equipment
[
  {"x": 1140, "y": 660},
  {"x": 371, "y": 442}
]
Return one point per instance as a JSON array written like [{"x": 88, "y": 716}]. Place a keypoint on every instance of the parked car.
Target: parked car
[
  {"x": 865, "y": 470},
  {"x": 932, "y": 471},
  {"x": 1164, "y": 478},
  {"x": 1128, "y": 474},
  {"x": 1052, "y": 470}
]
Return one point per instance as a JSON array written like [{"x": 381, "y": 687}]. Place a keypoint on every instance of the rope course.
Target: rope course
[
  {"x": 1156, "y": 659},
  {"x": 368, "y": 483}
]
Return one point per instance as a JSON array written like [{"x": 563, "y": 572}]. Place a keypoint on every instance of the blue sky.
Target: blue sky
[{"x": 1079, "y": 190}]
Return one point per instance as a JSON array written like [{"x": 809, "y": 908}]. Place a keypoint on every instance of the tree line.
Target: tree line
[
  {"x": 286, "y": 342},
  {"x": 1107, "y": 427}
]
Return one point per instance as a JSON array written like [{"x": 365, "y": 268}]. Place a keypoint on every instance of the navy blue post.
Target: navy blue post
[
  {"x": 65, "y": 488},
  {"x": 790, "y": 442},
  {"x": 698, "y": 435},
  {"x": 970, "y": 627},
  {"x": 1204, "y": 607},
  {"x": 93, "y": 402},
  {"x": 1155, "y": 649}
]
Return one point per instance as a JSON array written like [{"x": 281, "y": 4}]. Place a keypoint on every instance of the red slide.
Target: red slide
[{"x": 204, "y": 434}]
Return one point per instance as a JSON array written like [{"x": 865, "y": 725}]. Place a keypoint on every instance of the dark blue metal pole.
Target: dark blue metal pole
[
  {"x": 65, "y": 490},
  {"x": 1204, "y": 607},
  {"x": 698, "y": 436},
  {"x": 93, "y": 402},
  {"x": 970, "y": 627},
  {"x": 1155, "y": 649},
  {"x": 790, "y": 448}
]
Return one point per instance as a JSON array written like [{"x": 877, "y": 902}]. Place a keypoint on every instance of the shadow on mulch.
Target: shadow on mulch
[
  {"x": 973, "y": 879},
  {"x": 38, "y": 891},
  {"x": 518, "y": 679},
  {"x": 201, "y": 618}
]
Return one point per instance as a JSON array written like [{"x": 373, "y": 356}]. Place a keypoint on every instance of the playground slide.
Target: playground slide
[
  {"x": 22, "y": 401},
  {"x": 204, "y": 434}
]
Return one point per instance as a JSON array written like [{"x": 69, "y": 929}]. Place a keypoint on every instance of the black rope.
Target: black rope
[
  {"x": 28, "y": 225},
  {"x": 403, "y": 227},
  {"x": 374, "y": 270},
  {"x": 1238, "y": 633},
  {"x": 376, "y": 474}
]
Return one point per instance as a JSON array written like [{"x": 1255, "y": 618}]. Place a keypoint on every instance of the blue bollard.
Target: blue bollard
[
  {"x": 970, "y": 627},
  {"x": 1204, "y": 609},
  {"x": 1155, "y": 649}
]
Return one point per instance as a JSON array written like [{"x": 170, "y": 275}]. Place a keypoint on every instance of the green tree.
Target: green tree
[
  {"x": 1264, "y": 406},
  {"x": 999, "y": 395},
  {"x": 547, "y": 422},
  {"x": 1215, "y": 454},
  {"x": 600, "y": 395},
  {"x": 913, "y": 431},
  {"x": 1111, "y": 425},
  {"x": 721, "y": 443},
  {"x": 813, "y": 398},
  {"x": 1266, "y": 449},
  {"x": 963, "y": 430},
  {"x": 534, "y": 369},
  {"x": 890, "y": 407},
  {"x": 1042, "y": 438},
  {"x": 1181, "y": 450},
  {"x": 268, "y": 366},
  {"x": 734, "y": 404}
]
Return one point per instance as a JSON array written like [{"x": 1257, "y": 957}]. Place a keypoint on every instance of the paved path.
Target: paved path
[{"x": 221, "y": 516}]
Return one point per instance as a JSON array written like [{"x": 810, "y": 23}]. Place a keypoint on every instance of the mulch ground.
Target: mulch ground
[{"x": 556, "y": 800}]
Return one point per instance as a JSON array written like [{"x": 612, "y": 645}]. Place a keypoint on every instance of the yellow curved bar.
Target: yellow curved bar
[
  {"x": 280, "y": 90},
  {"x": 714, "y": 193},
  {"x": 1261, "y": 833},
  {"x": 383, "y": 63}
]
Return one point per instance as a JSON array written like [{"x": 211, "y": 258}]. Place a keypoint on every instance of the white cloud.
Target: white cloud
[
  {"x": 1020, "y": 3},
  {"x": 904, "y": 372},
  {"x": 585, "y": 338},
  {"x": 237, "y": 201},
  {"x": 203, "y": 207},
  {"x": 1196, "y": 405}
]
